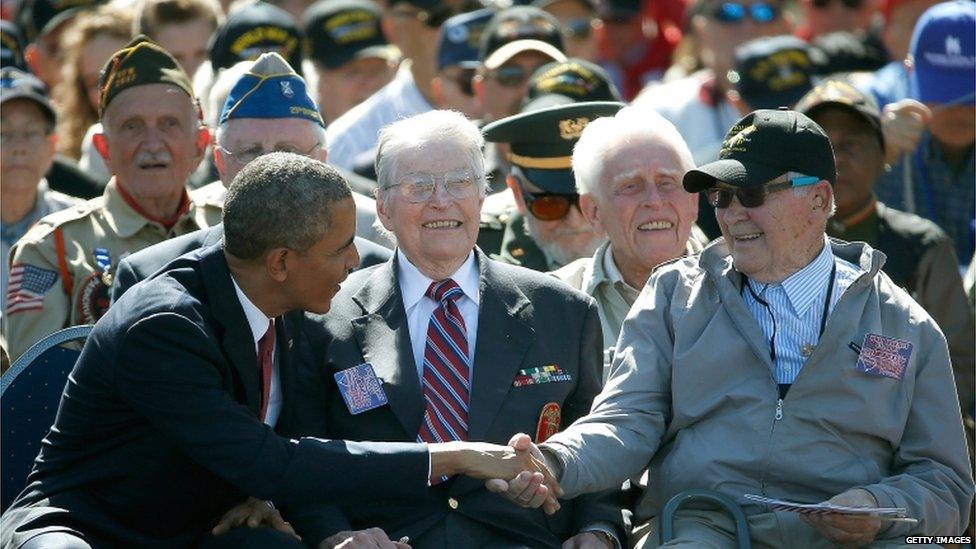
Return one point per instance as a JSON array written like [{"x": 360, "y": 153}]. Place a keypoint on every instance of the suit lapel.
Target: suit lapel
[
  {"x": 235, "y": 337},
  {"x": 287, "y": 327},
  {"x": 505, "y": 334},
  {"x": 384, "y": 337}
]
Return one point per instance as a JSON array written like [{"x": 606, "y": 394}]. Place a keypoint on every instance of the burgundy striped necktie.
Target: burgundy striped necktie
[
  {"x": 266, "y": 366},
  {"x": 446, "y": 368}
]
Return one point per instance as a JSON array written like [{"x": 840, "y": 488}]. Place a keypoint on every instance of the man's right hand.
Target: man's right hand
[
  {"x": 500, "y": 463},
  {"x": 528, "y": 488},
  {"x": 361, "y": 539}
]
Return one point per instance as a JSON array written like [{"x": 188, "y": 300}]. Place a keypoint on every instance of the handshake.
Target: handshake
[{"x": 518, "y": 471}]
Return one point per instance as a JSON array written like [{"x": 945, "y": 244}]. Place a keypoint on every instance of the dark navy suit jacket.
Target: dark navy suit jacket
[{"x": 157, "y": 433}]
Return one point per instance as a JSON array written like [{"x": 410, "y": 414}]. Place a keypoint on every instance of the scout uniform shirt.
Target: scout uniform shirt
[{"x": 61, "y": 270}]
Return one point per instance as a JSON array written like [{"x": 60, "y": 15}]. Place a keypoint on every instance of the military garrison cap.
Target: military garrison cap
[
  {"x": 139, "y": 63},
  {"x": 270, "y": 89},
  {"x": 542, "y": 137}
]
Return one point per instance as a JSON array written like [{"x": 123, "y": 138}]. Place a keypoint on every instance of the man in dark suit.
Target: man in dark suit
[
  {"x": 466, "y": 348},
  {"x": 257, "y": 117},
  {"x": 169, "y": 416}
]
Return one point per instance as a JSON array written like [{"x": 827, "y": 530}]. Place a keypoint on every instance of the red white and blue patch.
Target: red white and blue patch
[
  {"x": 884, "y": 356},
  {"x": 360, "y": 388},
  {"x": 27, "y": 286}
]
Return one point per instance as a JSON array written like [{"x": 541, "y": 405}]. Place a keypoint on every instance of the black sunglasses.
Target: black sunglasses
[
  {"x": 849, "y": 4},
  {"x": 578, "y": 29},
  {"x": 733, "y": 12},
  {"x": 510, "y": 76},
  {"x": 463, "y": 80},
  {"x": 753, "y": 197}
]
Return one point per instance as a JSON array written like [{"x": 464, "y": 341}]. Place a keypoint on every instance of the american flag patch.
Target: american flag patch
[{"x": 27, "y": 286}]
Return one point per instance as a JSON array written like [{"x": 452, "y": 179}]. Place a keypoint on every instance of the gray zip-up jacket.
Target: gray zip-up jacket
[{"x": 692, "y": 398}]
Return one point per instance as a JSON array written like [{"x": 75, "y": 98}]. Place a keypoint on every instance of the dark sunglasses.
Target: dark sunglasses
[
  {"x": 510, "y": 76},
  {"x": 578, "y": 29},
  {"x": 753, "y": 197},
  {"x": 732, "y": 12},
  {"x": 849, "y": 4},
  {"x": 548, "y": 206},
  {"x": 463, "y": 80}
]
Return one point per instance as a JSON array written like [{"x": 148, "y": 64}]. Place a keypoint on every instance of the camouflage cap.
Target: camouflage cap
[{"x": 139, "y": 63}]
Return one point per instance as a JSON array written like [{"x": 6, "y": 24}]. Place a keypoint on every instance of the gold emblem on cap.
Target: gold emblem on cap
[{"x": 571, "y": 128}]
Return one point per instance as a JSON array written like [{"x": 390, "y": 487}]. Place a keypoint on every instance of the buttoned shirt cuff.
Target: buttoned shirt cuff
[{"x": 605, "y": 527}]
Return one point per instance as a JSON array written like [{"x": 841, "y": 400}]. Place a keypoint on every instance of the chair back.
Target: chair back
[{"x": 29, "y": 396}]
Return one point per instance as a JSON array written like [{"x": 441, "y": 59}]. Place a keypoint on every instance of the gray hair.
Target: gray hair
[
  {"x": 280, "y": 200},
  {"x": 603, "y": 135},
  {"x": 220, "y": 136},
  {"x": 417, "y": 131}
]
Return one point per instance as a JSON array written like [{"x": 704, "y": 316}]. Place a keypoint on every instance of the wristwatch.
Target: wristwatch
[{"x": 603, "y": 534}]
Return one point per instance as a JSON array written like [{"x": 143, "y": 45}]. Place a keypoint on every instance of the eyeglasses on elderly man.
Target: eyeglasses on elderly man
[{"x": 754, "y": 197}]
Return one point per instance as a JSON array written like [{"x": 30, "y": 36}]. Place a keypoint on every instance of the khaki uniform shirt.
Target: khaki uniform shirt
[
  {"x": 613, "y": 296},
  {"x": 65, "y": 264}
]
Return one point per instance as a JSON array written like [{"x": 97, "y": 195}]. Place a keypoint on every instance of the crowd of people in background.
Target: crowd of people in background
[{"x": 542, "y": 155}]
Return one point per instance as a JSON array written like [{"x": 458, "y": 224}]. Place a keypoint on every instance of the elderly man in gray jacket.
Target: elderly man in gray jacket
[{"x": 779, "y": 363}]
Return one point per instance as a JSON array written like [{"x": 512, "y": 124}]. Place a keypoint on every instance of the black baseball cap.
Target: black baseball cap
[
  {"x": 38, "y": 17},
  {"x": 542, "y": 137},
  {"x": 11, "y": 46},
  {"x": 772, "y": 72},
  {"x": 518, "y": 29},
  {"x": 578, "y": 79},
  {"x": 338, "y": 31},
  {"x": 253, "y": 29},
  {"x": 17, "y": 84},
  {"x": 764, "y": 145},
  {"x": 841, "y": 94}
]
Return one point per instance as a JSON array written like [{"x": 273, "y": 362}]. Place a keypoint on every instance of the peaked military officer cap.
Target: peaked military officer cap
[
  {"x": 542, "y": 137},
  {"x": 139, "y": 63}
]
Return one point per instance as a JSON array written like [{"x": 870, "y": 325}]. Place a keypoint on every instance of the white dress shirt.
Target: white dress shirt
[
  {"x": 419, "y": 307},
  {"x": 259, "y": 323}
]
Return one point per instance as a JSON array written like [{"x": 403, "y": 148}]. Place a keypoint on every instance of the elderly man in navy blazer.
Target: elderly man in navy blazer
[
  {"x": 465, "y": 348},
  {"x": 174, "y": 411}
]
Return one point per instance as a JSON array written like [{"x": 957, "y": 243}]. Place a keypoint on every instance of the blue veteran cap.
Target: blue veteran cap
[{"x": 270, "y": 89}]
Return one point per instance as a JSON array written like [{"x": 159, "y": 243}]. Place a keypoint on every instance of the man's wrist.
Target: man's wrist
[{"x": 606, "y": 537}]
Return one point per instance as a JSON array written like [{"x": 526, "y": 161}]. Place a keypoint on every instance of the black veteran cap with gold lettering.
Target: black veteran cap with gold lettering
[
  {"x": 254, "y": 29},
  {"x": 338, "y": 31},
  {"x": 764, "y": 145},
  {"x": 773, "y": 71},
  {"x": 542, "y": 137},
  {"x": 840, "y": 94},
  {"x": 139, "y": 63},
  {"x": 577, "y": 79}
]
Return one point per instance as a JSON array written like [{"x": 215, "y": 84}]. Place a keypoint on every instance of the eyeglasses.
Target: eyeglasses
[
  {"x": 732, "y": 12},
  {"x": 753, "y": 197},
  {"x": 419, "y": 187},
  {"x": 246, "y": 156},
  {"x": 849, "y": 4},
  {"x": 510, "y": 76},
  {"x": 578, "y": 29}
]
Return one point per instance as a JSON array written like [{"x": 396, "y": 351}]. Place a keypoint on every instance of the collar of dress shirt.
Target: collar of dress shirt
[
  {"x": 256, "y": 320},
  {"x": 414, "y": 284},
  {"x": 613, "y": 273},
  {"x": 808, "y": 284}
]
